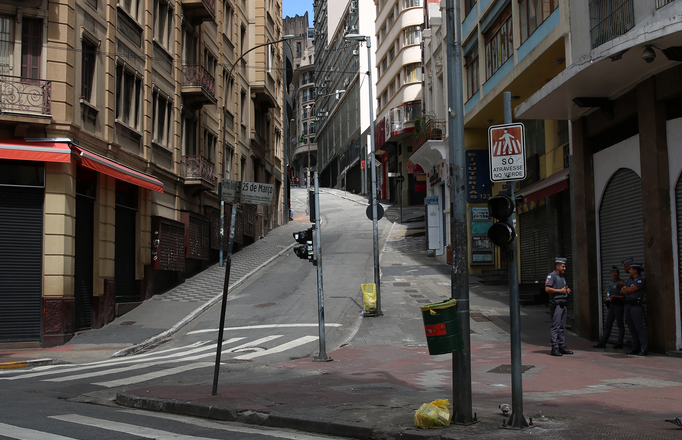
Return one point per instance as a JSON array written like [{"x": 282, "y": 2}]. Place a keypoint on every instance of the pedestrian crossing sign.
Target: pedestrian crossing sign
[{"x": 507, "y": 148}]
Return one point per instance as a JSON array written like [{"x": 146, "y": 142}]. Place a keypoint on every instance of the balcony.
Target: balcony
[
  {"x": 198, "y": 86},
  {"x": 199, "y": 11},
  {"x": 25, "y": 96},
  {"x": 259, "y": 145},
  {"x": 610, "y": 19},
  {"x": 198, "y": 172},
  {"x": 432, "y": 131}
]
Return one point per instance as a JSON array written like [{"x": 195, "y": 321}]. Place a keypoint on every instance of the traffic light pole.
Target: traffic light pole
[
  {"x": 517, "y": 419},
  {"x": 322, "y": 357},
  {"x": 459, "y": 270}
]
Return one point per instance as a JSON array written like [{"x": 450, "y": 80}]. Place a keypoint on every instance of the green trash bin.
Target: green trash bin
[{"x": 441, "y": 325}]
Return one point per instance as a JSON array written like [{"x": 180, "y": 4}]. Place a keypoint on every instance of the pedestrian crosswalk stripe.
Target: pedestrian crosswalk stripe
[
  {"x": 28, "y": 434},
  {"x": 126, "y": 428},
  {"x": 154, "y": 375},
  {"x": 279, "y": 348},
  {"x": 261, "y": 326},
  {"x": 118, "y": 361}
]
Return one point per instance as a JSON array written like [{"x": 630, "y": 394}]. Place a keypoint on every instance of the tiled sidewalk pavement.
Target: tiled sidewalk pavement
[{"x": 207, "y": 284}]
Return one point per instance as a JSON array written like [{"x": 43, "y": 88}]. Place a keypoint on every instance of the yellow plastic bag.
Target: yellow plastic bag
[
  {"x": 369, "y": 296},
  {"x": 433, "y": 415}
]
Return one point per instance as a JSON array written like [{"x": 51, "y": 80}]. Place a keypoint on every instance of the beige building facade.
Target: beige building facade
[{"x": 118, "y": 120}]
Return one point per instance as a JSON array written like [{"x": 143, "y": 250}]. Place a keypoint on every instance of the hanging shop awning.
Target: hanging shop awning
[
  {"x": 114, "y": 169},
  {"x": 48, "y": 150},
  {"x": 546, "y": 187}
]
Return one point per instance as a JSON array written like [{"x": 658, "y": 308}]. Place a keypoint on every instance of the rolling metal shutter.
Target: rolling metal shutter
[
  {"x": 124, "y": 272},
  {"x": 533, "y": 237},
  {"x": 621, "y": 233},
  {"x": 678, "y": 208},
  {"x": 83, "y": 284},
  {"x": 21, "y": 269}
]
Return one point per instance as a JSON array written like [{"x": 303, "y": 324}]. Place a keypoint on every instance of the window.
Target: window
[
  {"x": 413, "y": 73},
  {"x": 298, "y": 49},
  {"x": 532, "y": 13},
  {"x": 471, "y": 69},
  {"x": 128, "y": 87},
  {"x": 305, "y": 94},
  {"x": 305, "y": 128},
  {"x": 391, "y": 54},
  {"x": 228, "y": 162},
  {"x": 31, "y": 47},
  {"x": 209, "y": 145},
  {"x": 163, "y": 24},
  {"x": 384, "y": 65},
  {"x": 210, "y": 62},
  {"x": 132, "y": 7},
  {"x": 228, "y": 21},
  {"x": 6, "y": 45},
  {"x": 499, "y": 44},
  {"x": 413, "y": 35},
  {"x": 162, "y": 109},
  {"x": 242, "y": 108},
  {"x": 468, "y": 6},
  {"x": 88, "y": 73},
  {"x": 412, "y": 3},
  {"x": 190, "y": 134},
  {"x": 311, "y": 75},
  {"x": 383, "y": 32},
  {"x": 391, "y": 19}
]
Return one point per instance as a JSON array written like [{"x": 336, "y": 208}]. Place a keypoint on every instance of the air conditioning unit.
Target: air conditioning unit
[
  {"x": 355, "y": 52},
  {"x": 346, "y": 82},
  {"x": 353, "y": 7}
]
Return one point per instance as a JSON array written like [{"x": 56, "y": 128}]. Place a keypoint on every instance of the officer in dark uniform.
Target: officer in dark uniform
[
  {"x": 558, "y": 291},
  {"x": 614, "y": 301},
  {"x": 634, "y": 292}
]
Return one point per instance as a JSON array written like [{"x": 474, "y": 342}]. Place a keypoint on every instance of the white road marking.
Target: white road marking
[
  {"x": 28, "y": 434},
  {"x": 279, "y": 348},
  {"x": 154, "y": 375},
  {"x": 126, "y": 428},
  {"x": 261, "y": 326},
  {"x": 231, "y": 427}
]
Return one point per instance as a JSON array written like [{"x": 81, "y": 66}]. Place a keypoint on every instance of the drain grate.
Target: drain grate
[
  {"x": 478, "y": 317},
  {"x": 411, "y": 291},
  {"x": 506, "y": 368},
  {"x": 128, "y": 323},
  {"x": 424, "y": 301},
  {"x": 400, "y": 283},
  {"x": 416, "y": 296}
]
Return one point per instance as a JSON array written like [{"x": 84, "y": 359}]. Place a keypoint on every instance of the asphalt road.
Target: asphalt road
[{"x": 273, "y": 317}]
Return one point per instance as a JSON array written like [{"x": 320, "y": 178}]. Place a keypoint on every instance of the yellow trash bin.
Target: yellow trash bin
[{"x": 369, "y": 296}]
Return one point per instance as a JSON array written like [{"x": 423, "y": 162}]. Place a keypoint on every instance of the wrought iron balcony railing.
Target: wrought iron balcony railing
[
  {"x": 198, "y": 167},
  {"x": 195, "y": 75},
  {"x": 25, "y": 95},
  {"x": 432, "y": 131}
]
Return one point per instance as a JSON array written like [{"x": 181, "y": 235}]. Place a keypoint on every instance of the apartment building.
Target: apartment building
[
  {"x": 119, "y": 119},
  {"x": 620, "y": 93},
  {"x": 342, "y": 104},
  {"x": 398, "y": 32}
]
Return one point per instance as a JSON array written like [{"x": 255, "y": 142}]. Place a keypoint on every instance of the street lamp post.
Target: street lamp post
[{"x": 375, "y": 228}]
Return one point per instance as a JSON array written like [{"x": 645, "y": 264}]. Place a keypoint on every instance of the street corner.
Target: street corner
[{"x": 14, "y": 364}]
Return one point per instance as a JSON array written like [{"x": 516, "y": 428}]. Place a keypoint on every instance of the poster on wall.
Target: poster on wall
[
  {"x": 481, "y": 246},
  {"x": 479, "y": 187}
]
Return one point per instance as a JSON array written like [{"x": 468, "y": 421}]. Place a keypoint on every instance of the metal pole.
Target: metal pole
[
  {"x": 459, "y": 270},
  {"x": 223, "y": 305},
  {"x": 517, "y": 419},
  {"x": 222, "y": 229},
  {"x": 322, "y": 357},
  {"x": 375, "y": 226}
]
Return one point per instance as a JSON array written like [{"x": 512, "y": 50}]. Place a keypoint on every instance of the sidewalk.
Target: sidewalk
[{"x": 376, "y": 382}]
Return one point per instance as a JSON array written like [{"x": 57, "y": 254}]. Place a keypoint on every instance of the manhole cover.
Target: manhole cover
[
  {"x": 424, "y": 301},
  {"x": 417, "y": 296},
  {"x": 478, "y": 317},
  {"x": 411, "y": 291},
  {"x": 128, "y": 323},
  {"x": 506, "y": 368},
  {"x": 248, "y": 349}
]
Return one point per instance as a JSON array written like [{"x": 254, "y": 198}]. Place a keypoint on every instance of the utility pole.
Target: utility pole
[{"x": 459, "y": 270}]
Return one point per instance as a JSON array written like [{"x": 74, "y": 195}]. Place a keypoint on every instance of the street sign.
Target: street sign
[
  {"x": 507, "y": 148},
  {"x": 380, "y": 212},
  {"x": 252, "y": 193},
  {"x": 400, "y": 179}
]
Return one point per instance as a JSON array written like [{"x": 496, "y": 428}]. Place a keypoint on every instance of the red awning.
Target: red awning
[
  {"x": 48, "y": 151},
  {"x": 117, "y": 170},
  {"x": 546, "y": 187}
]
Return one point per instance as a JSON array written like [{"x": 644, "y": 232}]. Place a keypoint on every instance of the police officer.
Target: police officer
[
  {"x": 616, "y": 308},
  {"x": 634, "y": 292},
  {"x": 558, "y": 291}
]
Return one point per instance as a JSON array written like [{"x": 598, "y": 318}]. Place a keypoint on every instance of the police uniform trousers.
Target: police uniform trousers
[
  {"x": 559, "y": 314},
  {"x": 615, "y": 313},
  {"x": 634, "y": 316}
]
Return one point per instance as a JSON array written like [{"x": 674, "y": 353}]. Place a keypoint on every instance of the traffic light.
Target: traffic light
[
  {"x": 501, "y": 207},
  {"x": 305, "y": 251}
]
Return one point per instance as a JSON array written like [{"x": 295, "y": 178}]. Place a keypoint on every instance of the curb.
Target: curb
[
  {"x": 198, "y": 311},
  {"x": 25, "y": 364},
  {"x": 347, "y": 429}
]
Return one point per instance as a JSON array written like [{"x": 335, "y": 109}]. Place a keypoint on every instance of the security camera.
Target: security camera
[{"x": 648, "y": 55}]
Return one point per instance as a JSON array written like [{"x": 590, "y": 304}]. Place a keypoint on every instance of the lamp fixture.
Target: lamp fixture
[
  {"x": 488, "y": 121},
  {"x": 648, "y": 54},
  {"x": 558, "y": 61}
]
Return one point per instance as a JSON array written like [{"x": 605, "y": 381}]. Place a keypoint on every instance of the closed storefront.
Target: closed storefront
[
  {"x": 621, "y": 233},
  {"x": 533, "y": 241},
  {"x": 126, "y": 203}
]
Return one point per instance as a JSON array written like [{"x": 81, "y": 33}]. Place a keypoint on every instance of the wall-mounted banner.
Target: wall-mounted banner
[
  {"x": 507, "y": 148},
  {"x": 251, "y": 192},
  {"x": 479, "y": 187}
]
